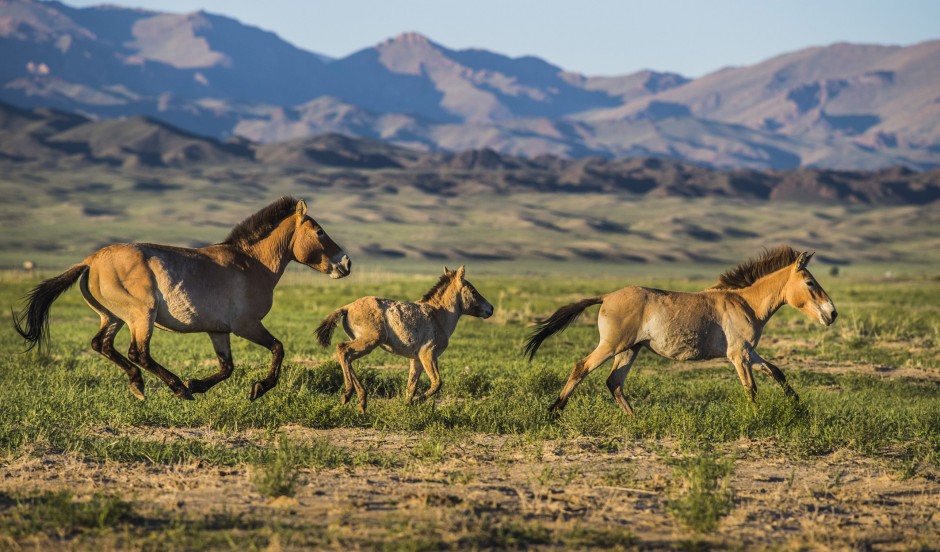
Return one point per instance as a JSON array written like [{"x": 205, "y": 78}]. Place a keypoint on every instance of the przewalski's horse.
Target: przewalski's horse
[
  {"x": 725, "y": 320},
  {"x": 417, "y": 331},
  {"x": 221, "y": 289}
]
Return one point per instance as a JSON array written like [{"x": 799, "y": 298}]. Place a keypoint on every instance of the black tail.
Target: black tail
[
  {"x": 33, "y": 322},
  {"x": 556, "y": 323},
  {"x": 325, "y": 329}
]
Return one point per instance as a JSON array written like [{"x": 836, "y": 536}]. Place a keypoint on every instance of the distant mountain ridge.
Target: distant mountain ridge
[
  {"x": 66, "y": 140},
  {"x": 844, "y": 106}
]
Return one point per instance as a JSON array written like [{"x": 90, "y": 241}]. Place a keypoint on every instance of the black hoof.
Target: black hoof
[
  {"x": 257, "y": 391},
  {"x": 185, "y": 395},
  {"x": 195, "y": 386}
]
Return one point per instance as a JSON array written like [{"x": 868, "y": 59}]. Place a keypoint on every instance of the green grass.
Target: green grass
[
  {"x": 62, "y": 399},
  {"x": 702, "y": 495}
]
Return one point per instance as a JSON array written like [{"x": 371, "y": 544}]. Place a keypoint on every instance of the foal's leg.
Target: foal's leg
[
  {"x": 139, "y": 352},
  {"x": 223, "y": 351},
  {"x": 741, "y": 359},
  {"x": 259, "y": 335},
  {"x": 414, "y": 374},
  {"x": 618, "y": 374},
  {"x": 584, "y": 366},
  {"x": 428, "y": 358},
  {"x": 103, "y": 344},
  {"x": 774, "y": 372},
  {"x": 346, "y": 353}
]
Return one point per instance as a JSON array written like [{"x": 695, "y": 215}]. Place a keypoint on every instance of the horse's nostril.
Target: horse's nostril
[{"x": 834, "y": 315}]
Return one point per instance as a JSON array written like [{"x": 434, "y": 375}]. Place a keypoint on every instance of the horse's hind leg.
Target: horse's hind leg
[
  {"x": 584, "y": 366},
  {"x": 223, "y": 351},
  {"x": 103, "y": 344},
  {"x": 139, "y": 352},
  {"x": 259, "y": 335},
  {"x": 346, "y": 353},
  {"x": 618, "y": 374}
]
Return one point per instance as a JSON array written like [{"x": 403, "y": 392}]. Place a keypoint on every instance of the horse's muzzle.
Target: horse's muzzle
[{"x": 340, "y": 268}]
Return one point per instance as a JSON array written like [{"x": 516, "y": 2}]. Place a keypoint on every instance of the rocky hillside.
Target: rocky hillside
[{"x": 844, "y": 106}]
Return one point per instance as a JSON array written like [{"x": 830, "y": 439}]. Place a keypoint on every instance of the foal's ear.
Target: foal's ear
[
  {"x": 301, "y": 208},
  {"x": 447, "y": 271},
  {"x": 461, "y": 271},
  {"x": 803, "y": 260}
]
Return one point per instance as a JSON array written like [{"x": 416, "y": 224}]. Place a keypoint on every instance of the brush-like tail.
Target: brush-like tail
[
  {"x": 33, "y": 321},
  {"x": 325, "y": 329},
  {"x": 556, "y": 323}
]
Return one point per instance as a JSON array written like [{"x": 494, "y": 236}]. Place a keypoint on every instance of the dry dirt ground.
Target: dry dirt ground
[
  {"x": 841, "y": 501},
  {"x": 489, "y": 491}
]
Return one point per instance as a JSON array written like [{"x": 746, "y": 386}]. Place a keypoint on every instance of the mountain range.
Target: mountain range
[
  {"x": 843, "y": 106},
  {"x": 52, "y": 138}
]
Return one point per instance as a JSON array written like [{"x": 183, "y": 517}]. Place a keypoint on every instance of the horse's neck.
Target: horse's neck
[
  {"x": 273, "y": 251},
  {"x": 766, "y": 295},
  {"x": 445, "y": 312}
]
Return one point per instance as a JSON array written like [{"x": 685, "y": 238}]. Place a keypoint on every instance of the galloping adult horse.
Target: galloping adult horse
[
  {"x": 417, "y": 331},
  {"x": 220, "y": 290},
  {"x": 725, "y": 320}
]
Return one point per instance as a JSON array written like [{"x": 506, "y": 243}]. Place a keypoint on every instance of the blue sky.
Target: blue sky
[{"x": 594, "y": 37}]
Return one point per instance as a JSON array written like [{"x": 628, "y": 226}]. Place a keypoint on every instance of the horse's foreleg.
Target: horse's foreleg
[
  {"x": 414, "y": 374},
  {"x": 584, "y": 366},
  {"x": 775, "y": 373},
  {"x": 259, "y": 335},
  {"x": 618, "y": 374},
  {"x": 429, "y": 361},
  {"x": 742, "y": 364},
  {"x": 139, "y": 352},
  {"x": 223, "y": 351},
  {"x": 103, "y": 344}
]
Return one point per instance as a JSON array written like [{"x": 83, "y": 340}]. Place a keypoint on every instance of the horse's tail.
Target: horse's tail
[
  {"x": 325, "y": 330},
  {"x": 556, "y": 323},
  {"x": 33, "y": 322}
]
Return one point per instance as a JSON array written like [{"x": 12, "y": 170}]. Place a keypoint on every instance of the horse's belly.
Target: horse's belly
[{"x": 688, "y": 344}]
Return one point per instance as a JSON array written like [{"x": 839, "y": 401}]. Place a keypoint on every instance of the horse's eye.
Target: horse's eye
[
  {"x": 320, "y": 233},
  {"x": 810, "y": 284}
]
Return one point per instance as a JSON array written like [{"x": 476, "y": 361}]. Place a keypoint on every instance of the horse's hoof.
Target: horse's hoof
[
  {"x": 137, "y": 390},
  {"x": 257, "y": 391},
  {"x": 344, "y": 399},
  {"x": 185, "y": 394},
  {"x": 195, "y": 386}
]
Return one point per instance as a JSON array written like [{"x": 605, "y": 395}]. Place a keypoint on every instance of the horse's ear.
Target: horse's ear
[
  {"x": 803, "y": 259},
  {"x": 447, "y": 271},
  {"x": 301, "y": 208},
  {"x": 461, "y": 271}
]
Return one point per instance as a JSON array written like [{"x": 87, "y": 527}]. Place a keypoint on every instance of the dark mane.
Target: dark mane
[
  {"x": 745, "y": 274},
  {"x": 437, "y": 288},
  {"x": 261, "y": 223}
]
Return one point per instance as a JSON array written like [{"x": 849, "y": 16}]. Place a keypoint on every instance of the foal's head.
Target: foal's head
[
  {"x": 803, "y": 292},
  {"x": 467, "y": 298},
  {"x": 313, "y": 247}
]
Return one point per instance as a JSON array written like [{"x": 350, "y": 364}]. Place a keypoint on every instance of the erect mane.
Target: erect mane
[
  {"x": 745, "y": 274},
  {"x": 261, "y": 223},
  {"x": 437, "y": 288}
]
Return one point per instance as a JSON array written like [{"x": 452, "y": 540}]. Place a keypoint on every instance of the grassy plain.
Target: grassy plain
[
  {"x": 84, "y": 464},
  {"x": 855, "y": 465}
]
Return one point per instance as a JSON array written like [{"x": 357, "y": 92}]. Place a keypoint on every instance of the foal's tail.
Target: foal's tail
[
  {"x": 33, "y": 321},
  {"x": 325, "y": 330},
  {"x": 556, "y": 323}
]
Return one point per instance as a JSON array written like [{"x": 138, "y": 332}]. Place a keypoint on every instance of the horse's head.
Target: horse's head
[
  {"x": 470, "y": 300},
  {"x": 312, "y": 246},
  {"x": 804, "y": 292}
]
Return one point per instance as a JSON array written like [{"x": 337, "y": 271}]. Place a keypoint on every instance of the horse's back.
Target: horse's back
[{"x": 678, "y": 325}]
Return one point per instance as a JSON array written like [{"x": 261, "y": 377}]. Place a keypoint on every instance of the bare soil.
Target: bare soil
[{"x": 834, "y": 502}]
